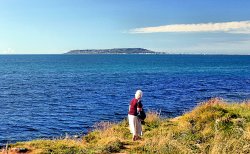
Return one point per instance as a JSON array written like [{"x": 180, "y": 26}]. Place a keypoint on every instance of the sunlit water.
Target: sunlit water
[{"x": 43, "y": 96}]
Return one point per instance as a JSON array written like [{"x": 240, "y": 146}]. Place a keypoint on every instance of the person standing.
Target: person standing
[{"x": 134, "y": 122}]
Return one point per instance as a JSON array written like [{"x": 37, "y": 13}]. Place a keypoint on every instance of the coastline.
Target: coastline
[{"x": 213, "y": 126}]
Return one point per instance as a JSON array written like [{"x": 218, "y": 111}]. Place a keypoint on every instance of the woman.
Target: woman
[{"x": 134, "y": 122}]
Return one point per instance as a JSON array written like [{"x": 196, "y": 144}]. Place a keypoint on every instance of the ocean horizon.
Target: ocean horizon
[
  {"x": 156, "y": 53},
  {"x": 50, "y": 95}
]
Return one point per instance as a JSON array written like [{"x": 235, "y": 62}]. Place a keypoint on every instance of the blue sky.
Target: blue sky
[{"x": 173, "y": 26}]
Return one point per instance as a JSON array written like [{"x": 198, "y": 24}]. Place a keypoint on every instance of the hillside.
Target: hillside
[
  {"x": 112, "y": 51},
  {"x": 212, "y": 127}
]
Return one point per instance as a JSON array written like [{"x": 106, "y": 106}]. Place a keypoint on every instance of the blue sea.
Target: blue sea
[{"x": 47, "y": 96}]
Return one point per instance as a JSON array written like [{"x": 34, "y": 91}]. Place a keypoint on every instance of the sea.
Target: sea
[{"x": 50, "y": 96}]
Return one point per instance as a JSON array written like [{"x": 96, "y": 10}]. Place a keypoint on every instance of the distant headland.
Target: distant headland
[{"x": 113, "y": 51}]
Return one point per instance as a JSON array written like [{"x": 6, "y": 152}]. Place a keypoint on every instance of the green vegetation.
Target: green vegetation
[
  {"x": 113, "y": 51},
  {"x": 212, "y": 127}
]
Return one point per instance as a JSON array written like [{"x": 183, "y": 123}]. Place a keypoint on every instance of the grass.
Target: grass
[{"x": 212, "y": 127}]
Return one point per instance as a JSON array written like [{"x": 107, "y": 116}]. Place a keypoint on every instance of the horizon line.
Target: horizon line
[{"x": 156, "y": 53}]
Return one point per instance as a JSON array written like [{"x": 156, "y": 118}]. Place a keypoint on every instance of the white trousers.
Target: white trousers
[{"x": 134, "y": 125}]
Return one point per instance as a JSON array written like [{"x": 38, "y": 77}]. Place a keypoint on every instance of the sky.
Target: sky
[{"x": 171, "y": 26}]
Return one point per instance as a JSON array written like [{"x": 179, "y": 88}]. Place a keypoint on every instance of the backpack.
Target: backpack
[{"x": 141, "y": 114}]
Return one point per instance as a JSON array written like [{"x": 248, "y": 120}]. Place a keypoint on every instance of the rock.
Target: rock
[{"x": 76, "y": 136}]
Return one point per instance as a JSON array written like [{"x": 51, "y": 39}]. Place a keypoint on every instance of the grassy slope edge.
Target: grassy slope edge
[{"x": 212, "y": 127}]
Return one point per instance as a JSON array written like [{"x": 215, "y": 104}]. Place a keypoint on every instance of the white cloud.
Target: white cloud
[
  {"x": 240, "y": 27},
  {"x": 8, "y": 51}
]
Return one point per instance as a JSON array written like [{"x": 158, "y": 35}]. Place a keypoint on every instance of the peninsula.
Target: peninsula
[{"x": 113, "y": 51}]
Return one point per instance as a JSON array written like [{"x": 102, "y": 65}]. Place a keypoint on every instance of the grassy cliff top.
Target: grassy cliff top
[{"x": 212, "y": 127}]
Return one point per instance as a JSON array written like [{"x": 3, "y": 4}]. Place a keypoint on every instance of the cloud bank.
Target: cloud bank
[{"x": 238, "y": 27}]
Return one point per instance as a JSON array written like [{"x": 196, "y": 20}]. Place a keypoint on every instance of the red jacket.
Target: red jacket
[{"x": 134, "y": 106}]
